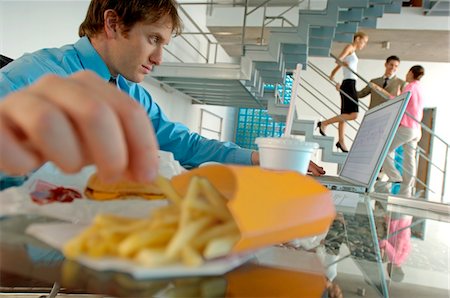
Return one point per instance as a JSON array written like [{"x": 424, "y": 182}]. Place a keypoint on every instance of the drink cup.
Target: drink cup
[{"x": 285, "y": 153}]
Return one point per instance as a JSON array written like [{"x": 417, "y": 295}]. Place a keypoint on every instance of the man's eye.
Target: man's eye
[{"x": 153, "y": 39}]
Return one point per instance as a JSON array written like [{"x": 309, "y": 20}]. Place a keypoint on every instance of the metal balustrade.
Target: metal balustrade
[{"x": 311, "y": 95}]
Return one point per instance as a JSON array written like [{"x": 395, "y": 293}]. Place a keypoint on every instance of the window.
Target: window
[
  {"x": 253, "y": 123},
  {"x": 210, "y": 125}
]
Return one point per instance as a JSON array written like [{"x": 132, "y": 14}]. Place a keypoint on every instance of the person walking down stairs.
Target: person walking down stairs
[{"x": 349, "y": 107}]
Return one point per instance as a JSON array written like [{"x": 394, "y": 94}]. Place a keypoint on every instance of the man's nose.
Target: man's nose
[{"x": 156, "y": 56}]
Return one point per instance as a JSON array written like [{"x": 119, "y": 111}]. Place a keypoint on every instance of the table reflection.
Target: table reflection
[{"x": 28, "y": 265}]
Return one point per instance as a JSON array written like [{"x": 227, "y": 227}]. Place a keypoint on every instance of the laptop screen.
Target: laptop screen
[{"x": 372, "y": 141}]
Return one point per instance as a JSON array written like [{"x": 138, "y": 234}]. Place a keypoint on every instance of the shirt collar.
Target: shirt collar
[
  {"x": 90, "y": 59},
  {"x": 389, "y": 78}
]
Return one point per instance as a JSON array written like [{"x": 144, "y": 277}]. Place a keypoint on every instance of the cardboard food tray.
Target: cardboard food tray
[
  {"x": 57, "y": 235},
  {"x": 269, "y": 206}
]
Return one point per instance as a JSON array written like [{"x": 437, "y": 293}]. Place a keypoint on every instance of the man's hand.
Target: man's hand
[{"x": 74, "y": 122}]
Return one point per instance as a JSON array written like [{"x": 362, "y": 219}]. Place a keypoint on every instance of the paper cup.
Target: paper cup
[{"x": 285, "y": 153}]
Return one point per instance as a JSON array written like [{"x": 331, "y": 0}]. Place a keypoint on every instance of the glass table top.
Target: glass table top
[{"x": 373, "y": 249}]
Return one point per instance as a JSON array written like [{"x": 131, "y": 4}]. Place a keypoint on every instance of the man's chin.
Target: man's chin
[{"x": 136, "y": 78}]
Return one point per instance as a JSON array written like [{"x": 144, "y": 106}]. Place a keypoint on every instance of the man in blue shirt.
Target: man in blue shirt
[{"x": 88, "y": 122}]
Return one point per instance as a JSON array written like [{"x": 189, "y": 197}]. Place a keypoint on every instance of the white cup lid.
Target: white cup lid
[{"x": 286, "y": 142}]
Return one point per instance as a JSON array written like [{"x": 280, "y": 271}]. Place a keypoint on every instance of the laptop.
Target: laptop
[{"x": 370, "y": 147}]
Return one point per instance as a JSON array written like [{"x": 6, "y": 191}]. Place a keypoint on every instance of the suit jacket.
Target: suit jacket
[{"x": 391, "y": 87}]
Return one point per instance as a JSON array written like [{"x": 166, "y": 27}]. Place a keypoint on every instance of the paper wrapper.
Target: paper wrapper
[
  {"x": 17, "y": 200},
  {"x": 269, "y": 207}
]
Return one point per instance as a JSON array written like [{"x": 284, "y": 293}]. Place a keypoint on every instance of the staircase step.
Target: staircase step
[
  {"x": 353, "y": 3},
  {"x": 354, "y": 15},
  {"x": 368, "y": 23},
  {"x": 347, "y": 27},
  {"x": 319, "y": 52},
  {"x": 394, "y": 7},
  {"x": 375, "y": 11},
  {"x": 344, "y": 37},
  {"x": 322, "y": 32}
]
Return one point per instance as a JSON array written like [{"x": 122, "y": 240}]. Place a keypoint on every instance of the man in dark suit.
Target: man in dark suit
[{"x": 389, "y": 81}]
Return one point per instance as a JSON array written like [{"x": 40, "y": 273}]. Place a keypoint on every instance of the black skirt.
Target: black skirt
[{"x": 347, "y": 105}]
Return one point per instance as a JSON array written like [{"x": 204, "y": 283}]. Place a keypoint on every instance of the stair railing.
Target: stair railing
[
  {"x": 206, "y": 57},
  {"x": 363, "y": 106},
  {"x": 424, "y": 127},
  {"x": 328, "y": 103}
]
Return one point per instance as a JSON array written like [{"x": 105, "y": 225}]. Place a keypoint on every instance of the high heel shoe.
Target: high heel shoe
[
  {"x": 319, "y": 126},
  {"x": 339, "y": 146}
]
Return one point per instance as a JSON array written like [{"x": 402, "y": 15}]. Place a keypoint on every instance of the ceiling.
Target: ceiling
[{"x": 409, "y": 45}]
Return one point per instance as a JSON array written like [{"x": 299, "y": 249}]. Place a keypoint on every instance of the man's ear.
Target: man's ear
[{"x": 111, "y": 23}]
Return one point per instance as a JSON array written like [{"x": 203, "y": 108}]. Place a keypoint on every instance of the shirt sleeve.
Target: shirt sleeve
[
  {"x": 190, "y": 148},
  {"x": 25, "y": 71},
  {"x": 364, "y": 92}
]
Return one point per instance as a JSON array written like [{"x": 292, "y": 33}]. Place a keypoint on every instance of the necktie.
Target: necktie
[{"x": 385, "y": 82}]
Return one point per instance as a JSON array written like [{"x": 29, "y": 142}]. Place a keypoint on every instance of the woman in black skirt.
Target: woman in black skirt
[{"x": 349, "y": 107}]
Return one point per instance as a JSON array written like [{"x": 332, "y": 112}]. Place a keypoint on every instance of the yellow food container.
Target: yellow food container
[{"x": 269, "y": 206}]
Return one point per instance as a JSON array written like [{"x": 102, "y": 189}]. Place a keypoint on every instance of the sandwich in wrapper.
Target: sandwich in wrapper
[{"x": 98, "y": 190}]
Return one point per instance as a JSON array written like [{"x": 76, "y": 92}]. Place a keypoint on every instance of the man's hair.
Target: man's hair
[
  {"x": 418, "y": 71},
  {"x": 130, "y": 12},
  {"x": 392, "y": 58}
]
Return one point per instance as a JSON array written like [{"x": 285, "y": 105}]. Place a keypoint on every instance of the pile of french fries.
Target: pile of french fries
[{"x": 189, "y": 230}]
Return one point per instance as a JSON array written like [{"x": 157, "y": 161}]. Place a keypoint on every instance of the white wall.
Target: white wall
[{"x": 32, "y": 25}]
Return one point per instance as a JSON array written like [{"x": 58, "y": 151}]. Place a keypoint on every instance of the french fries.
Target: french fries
[{"x": 191, "y": 230}]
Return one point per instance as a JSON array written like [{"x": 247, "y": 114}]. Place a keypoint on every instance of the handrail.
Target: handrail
[
  {"x": 426, "y": 128},
  {"x": 336, "y": 106},
  {"x": 264, "y": 24},
  {"x": 323, "y": 75},
  {"x": 423, "y": 126},
  {"x": 247, "y": 12}
]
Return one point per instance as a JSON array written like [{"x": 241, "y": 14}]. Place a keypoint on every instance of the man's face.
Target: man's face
[
  {"x": 135, "y": 55},
  {"x": 391, "y": 68}
]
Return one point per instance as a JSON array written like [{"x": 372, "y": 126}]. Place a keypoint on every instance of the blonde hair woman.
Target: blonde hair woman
[{"x": 349, "y": 108}]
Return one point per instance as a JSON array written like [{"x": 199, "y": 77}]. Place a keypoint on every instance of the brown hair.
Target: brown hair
[
  {"x": 130, "y": 12},
  {"x": 360, "y": 34},
  {"x": 392, "y": 58},
  {"x": 418, "y": 71}
]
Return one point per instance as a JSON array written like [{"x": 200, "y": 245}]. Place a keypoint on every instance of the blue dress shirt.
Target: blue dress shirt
[{"x": 189, "y": 148}]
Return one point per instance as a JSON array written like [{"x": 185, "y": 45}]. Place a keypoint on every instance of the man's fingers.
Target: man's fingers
[
  {"x": 15, "y": 158},
  {"x": 137, "y": 129},
  {"x": 142, "y": 144},
  {"x": 34, "y": 123},
  {"x": 74, "y": 122},
  {"x": 96, "y": 122}
]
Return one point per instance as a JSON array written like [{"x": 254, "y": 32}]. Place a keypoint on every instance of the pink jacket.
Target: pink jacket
[
  {"x": 415, "y": 105},
  {"x": 398, "y": 246}
]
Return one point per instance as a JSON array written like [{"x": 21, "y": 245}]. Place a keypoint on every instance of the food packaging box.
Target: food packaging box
[{"x": 269, "y": 206}]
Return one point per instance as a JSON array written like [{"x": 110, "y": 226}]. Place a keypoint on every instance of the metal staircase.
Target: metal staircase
[{"x": 242, "y": 85}]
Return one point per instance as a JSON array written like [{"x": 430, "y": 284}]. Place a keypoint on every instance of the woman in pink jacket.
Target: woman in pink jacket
[
  {"x": 398, "y": 244},
  {"x": 408, "y": 134}
]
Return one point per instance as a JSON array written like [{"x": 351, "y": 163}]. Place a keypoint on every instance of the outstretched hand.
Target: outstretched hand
[{"x": 74, "y": 122}]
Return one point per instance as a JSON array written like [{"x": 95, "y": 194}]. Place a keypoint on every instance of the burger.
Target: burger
[{"x": 98, "y": 190}]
